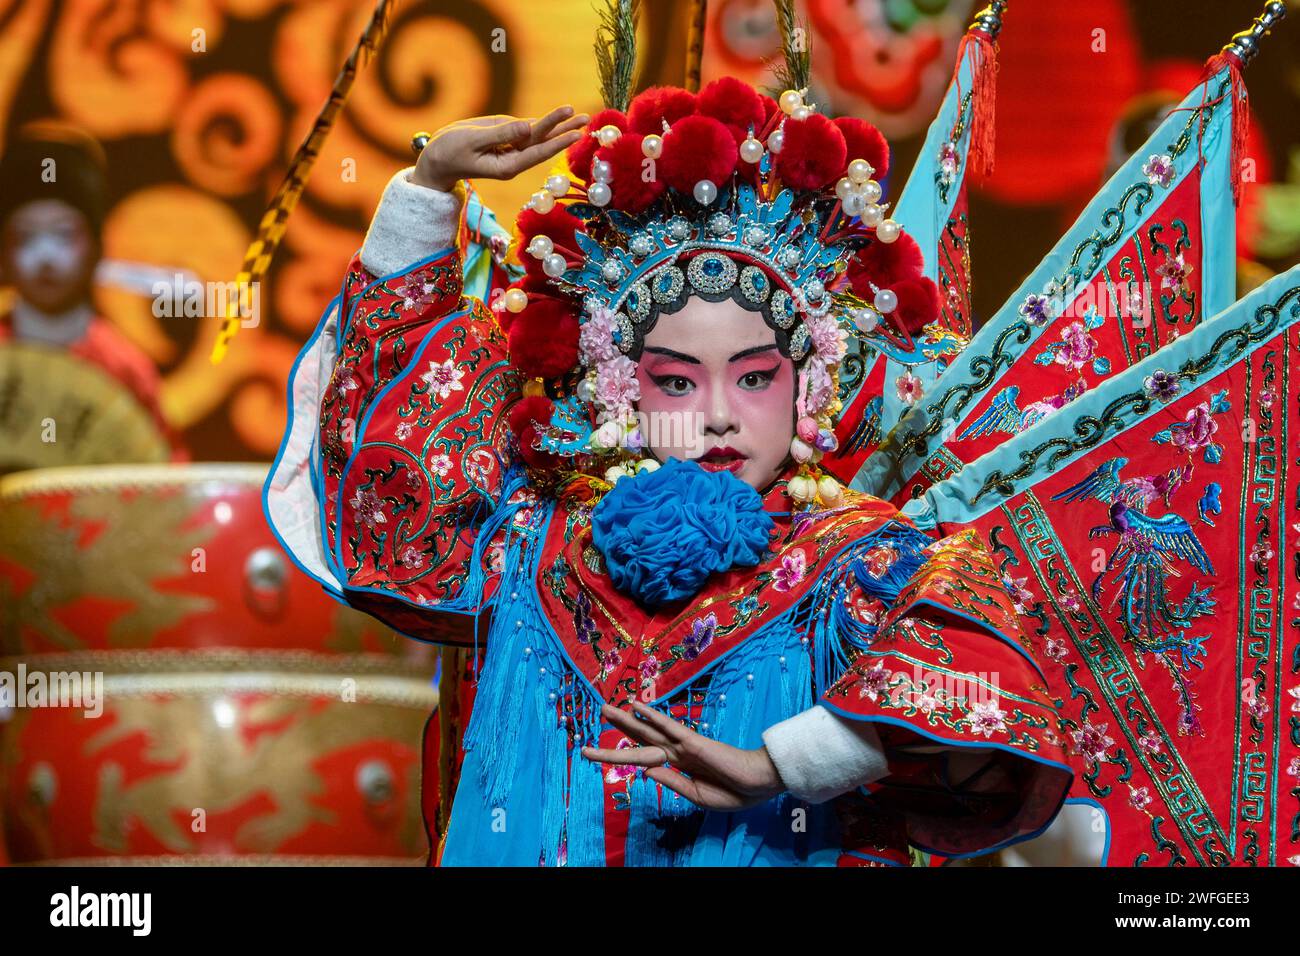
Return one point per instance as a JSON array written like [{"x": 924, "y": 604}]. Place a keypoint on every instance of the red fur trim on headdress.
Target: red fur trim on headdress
[
  {"x": 533, "y": 282},
  {"x": 749, "y": 171},
  {"x": 735, "y": 104},
  {"x": 697, "y": 147},
  {"x": 863, "y": 141},
  {"x": 652, "y": 106},
  {"x": 544, "y": 338},
  {"x": 580, "y": 153},
  {"x": 813, "y": 154},
  {"x": 559, "y": 224},
  {"x": 918, "y": 303},
  {"x": 885, "y": 264},
  {"x": 629, "y": 188},
  {"x": 528, "y": 417}
]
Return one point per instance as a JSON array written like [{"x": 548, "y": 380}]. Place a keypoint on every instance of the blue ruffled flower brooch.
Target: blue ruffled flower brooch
[{"x": 662, "y": 533}]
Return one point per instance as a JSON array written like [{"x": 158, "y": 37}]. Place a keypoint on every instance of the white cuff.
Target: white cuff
[
  {"x": 820, "y": 755},
  {"x": 411, "y": 223}
]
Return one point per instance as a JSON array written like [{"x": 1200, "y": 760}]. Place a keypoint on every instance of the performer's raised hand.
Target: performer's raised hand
[
  {"x": 495, "y": 147},
  {"x": 722, "y": 777}
]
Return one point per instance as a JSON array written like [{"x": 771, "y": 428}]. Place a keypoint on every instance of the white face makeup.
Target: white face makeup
[
  {"x": 48, "y": 254},
  {"x": 715, "y": 388}
]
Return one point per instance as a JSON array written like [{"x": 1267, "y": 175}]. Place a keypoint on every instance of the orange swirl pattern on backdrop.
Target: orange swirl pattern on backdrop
[{"x": 200, "y": 106}]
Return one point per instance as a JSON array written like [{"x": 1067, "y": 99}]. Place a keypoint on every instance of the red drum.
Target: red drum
[{"x": 173, "y": 690}]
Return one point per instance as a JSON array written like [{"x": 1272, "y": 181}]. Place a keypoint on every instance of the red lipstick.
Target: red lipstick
[{"x": 722, "y": 458}]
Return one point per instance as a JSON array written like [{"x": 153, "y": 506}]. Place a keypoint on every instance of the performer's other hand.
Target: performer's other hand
[
  {"x": 495, "y": 147},
  {"x": 722, "y": 777}
]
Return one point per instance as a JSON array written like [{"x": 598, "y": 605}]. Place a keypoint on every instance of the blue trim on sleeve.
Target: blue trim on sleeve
[
  {"x": 873, "y": 858},
  {"x": 279, "y": 455},
  {"x": 1010, "y": 841},
  {"x": 974, "y": 744},
  {"x": 1110, "y": 828}
]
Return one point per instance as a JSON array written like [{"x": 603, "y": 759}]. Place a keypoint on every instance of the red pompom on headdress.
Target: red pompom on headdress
[
  {"x": 696, "y": 148},
  {"x": 735, "y": 104},
  {"x": 813, "y": 155},
  {"x": 558, "y": 223},
  {"x": 533, "y": 283},
  {"x": 580, "y": 153},
  {"x": 864, "y": 141},
  {"x": 543, "y": 337},
  {"x": 651, "y": 107},
  {"x": 918, "y": 303},
  {"x": 884, "y": 264},
  {"x": 898, "y": 266},
  {"x": 630, "y": 190},
  {"x": 527, "y": 419}
]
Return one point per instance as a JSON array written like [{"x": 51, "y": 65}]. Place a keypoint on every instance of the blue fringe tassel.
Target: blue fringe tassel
[
  {"x": 586, "y": 818},
  {"x": 554, "y": 741}
]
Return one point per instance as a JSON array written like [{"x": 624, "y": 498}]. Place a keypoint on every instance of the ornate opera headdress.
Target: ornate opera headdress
[{"x": 724, "y": 193}]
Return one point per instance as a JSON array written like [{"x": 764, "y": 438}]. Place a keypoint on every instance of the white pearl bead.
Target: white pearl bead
[
  {"x": 598, "y": 194},
  {"x": 888, "y": 230},
  {"x": 516, "y": 299},
  {"x": 541, "y": 247},
  {"x": 601, "y": 170},
  {"x": 871, "y": 215},
  {"x": 652, "y": 146},
  {"x": 843, "y": 188},
  {"x": 557, "y": 185},
  {"x": 751, "y": 150},
  {"x": 543, "y": 202},
  {"x": 853, "y": 204},
  {"x": 608, "y": 135},
  {"x": 870, "y": 191},
  {"x": 554, "y": 265},
  {"x": 586, "y": 390},
  {"x": 776, "y": 140},
  {"x": 705, "y": 192},
  {"x": 886, "y": 301},
  {"x": 790, "y": 101},
  {"x": 866, "y": 319},
  {"x": 800, "y": 113},
  {"x": 860, "y": 170}
]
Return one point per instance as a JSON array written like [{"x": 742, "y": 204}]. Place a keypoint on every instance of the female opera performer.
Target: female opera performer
[{"x": 698, "y": 647}]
